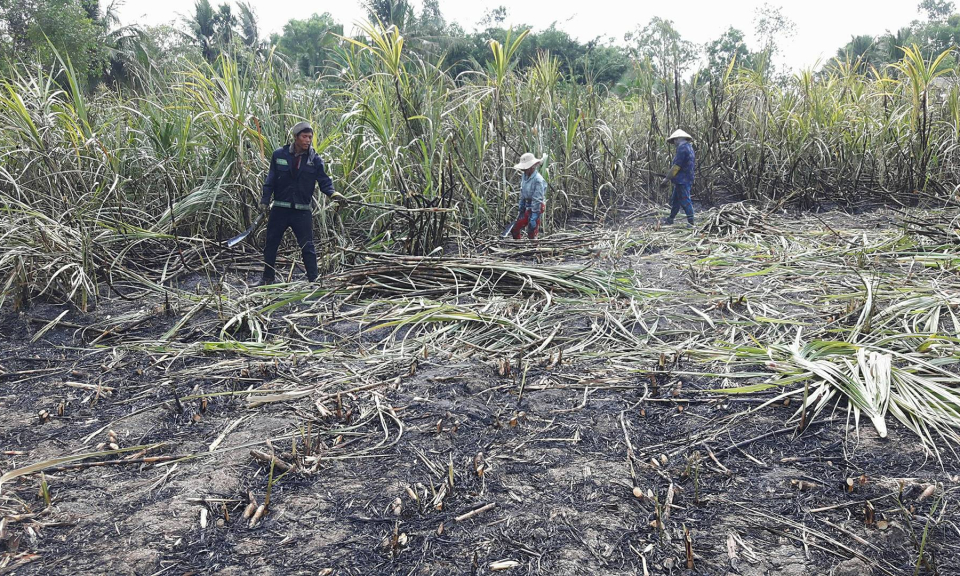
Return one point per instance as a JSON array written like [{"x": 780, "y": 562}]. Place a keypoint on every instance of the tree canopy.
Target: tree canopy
[
  {"x": 100, "y": 49},
  {"x": 74, "y": 29}
]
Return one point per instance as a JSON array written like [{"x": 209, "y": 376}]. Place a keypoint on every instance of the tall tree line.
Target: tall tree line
[{"x": 100, "y": 49}]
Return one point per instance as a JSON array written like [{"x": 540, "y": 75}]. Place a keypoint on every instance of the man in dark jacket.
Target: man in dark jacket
[{"x": 295, "y": 171}]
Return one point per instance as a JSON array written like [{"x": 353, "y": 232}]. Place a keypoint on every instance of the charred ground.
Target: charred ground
[{"x": 572, "y": 385}]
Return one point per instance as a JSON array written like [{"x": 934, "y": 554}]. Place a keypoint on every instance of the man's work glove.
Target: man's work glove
[
  {"x": 264, "y": 208},
  {"x": 340, "y": 199}
]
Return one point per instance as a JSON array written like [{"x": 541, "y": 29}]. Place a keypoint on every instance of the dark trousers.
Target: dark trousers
[
  {"x": 301, "y": 221},
  {"x": 681, "y": 200}
]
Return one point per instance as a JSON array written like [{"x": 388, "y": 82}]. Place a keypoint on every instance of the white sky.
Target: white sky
[{"x": 822, "y": 26}]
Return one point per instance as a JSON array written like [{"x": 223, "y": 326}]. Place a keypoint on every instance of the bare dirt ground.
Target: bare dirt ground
[{"x": 416, "y": 454}]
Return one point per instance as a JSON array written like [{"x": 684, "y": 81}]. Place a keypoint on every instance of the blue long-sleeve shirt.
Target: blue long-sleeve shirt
[
  {"x": 686, "y": 161},
  {"x": 533, "y": 192}
]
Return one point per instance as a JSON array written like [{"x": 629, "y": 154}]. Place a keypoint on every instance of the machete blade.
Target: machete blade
[{"x": 239, "y": 237}]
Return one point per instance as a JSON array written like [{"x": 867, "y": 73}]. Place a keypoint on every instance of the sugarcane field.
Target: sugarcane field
[{"x": 397, "y": 295}]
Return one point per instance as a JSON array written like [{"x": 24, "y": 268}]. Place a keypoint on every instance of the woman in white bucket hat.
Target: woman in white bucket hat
[
  {"x": 681, "y": 174},
  {"x": 533, "y": 196}
]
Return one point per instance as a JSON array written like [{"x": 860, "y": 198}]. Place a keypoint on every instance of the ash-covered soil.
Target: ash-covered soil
[{"x": 414, "y": 458}]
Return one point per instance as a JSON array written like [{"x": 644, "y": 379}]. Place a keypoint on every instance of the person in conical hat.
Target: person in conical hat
[
  {"x": 533, "y": 196},
  {"x": 681, "y": 175}
]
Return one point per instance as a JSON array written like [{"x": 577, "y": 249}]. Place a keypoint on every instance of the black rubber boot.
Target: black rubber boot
[{"x": 268, "y": 277}]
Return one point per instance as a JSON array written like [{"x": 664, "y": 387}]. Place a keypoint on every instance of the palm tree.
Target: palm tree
[
  {"x": 123, "y": 46},
  {"x": 894, "y": 44},
  {"x": 249, "y": 31},
  {"x": 126, "y": 54},
  {"x": 225, "y": 23},
  {"x": 389, "y": 12},
  {"x": 862, "y": 52},
  {"x": 203, "y": 28}
]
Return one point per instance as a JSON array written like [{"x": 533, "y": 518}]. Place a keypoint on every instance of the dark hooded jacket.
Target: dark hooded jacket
[{"x": 291, "y": 185}]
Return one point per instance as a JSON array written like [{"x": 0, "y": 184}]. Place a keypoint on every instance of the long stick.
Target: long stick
[
  {"x": 84, "y": 465},
  {"x": 392, "y": 208},
  {"x": 476, "y": 512}
]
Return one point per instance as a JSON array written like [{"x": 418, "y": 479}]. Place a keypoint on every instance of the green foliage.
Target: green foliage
[
  {"x": 729, "y": 47},
  {"x": 219, "y": 30},
  {"x": 936, "y": 10},
  {"x": 590, "y": 62},
  {"x": 771, "y": 26},
  {"x": 938, "y": 34},
  {"x": 494, "y": 17},
  {"x": 503, "y": 62},
  {"x": 595, "y": 61},
  {"x": 309, "y": 43},
  {"x": 38, "y": 29},
  {"x": 661, "y": 44},
  {"x": 248, "y": 28},
  {"x": 390, "y": 12},
  {"x": 203, "y": 28}
]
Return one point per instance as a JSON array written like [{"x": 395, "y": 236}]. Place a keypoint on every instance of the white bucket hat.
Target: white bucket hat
[
  {"x": 679, "y": 134},
  {"x": 528, "y": 160}
]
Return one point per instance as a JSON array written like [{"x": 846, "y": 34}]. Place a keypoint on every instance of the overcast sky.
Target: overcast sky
[{"x": 822, "y": 25}]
